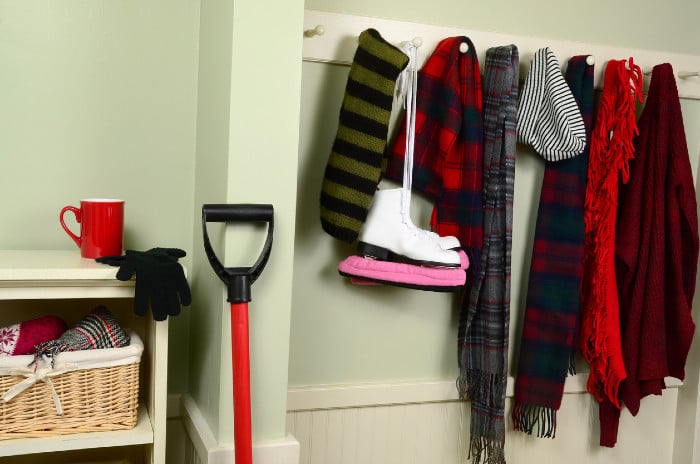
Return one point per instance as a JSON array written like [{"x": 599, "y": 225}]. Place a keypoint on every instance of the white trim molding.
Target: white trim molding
[
  {"x": 209, "y": 451},
  {"x": 308, "y": 398},
  {"x": 338, "y": 42},
  {"x": 284, "y": 451}
]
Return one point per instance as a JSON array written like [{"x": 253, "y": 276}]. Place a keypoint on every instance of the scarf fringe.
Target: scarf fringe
[
  {"x": 482, "y": 387},
  {"x": 527, "y": 416},
  {"x": 488, "y": 389},
  {"x": 611, "y": 150},
  {"x": 483, "y": 450}
]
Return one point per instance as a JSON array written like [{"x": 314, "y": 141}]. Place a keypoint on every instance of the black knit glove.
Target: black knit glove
[{"x": 160, "y": 280}]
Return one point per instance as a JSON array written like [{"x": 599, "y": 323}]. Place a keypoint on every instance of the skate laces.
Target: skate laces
[{"x": 408, "y": 91}]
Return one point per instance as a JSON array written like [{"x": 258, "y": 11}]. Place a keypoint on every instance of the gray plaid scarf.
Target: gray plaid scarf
[{"x": 483, "y": 322}]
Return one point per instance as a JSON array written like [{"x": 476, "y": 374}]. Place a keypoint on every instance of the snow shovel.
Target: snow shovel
[{"x": 238, "y": 281}]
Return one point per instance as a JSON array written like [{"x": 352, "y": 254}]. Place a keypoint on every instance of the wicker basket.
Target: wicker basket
[{"x": 97, "y": 391}]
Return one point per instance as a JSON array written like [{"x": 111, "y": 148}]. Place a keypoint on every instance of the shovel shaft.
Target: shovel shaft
[{"x": 241, "y": 383}]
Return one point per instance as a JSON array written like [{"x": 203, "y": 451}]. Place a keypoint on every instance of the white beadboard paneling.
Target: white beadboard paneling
[
  {"x": 319, "y": 442},
  {"x": 409, "y": 435},
  {"x": 412, "y": 434},
  {"x": 291, "y": 427},
  {"x": 439, "y": 432},
  {"x": 350, "y": 441},
  {"x": 334, "y": 437},
  {"x": 303, "y": 428},
  {"x": 463, "y": 417},
  {"x": 365, "y": 434},
  {"x": 441, "y": 429},
  {"x": 394, "y": 435},
  {"x": 427, "y": 420},
  {"x": 191, "y": 456},
  {"x": 380, "y": 447}
]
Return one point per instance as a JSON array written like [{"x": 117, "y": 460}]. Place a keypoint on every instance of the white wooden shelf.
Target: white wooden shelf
[
  {"x": 64, "y": 275},
  {"x": 43, "y": 274},
  {"x": 61, "y": 265},
  {"x": 139, "y": 435}
]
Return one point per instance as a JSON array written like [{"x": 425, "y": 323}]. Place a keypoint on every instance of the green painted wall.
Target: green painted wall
[
  {"x": 99, "y": 100},
  {"x": 213, "y": 112},
  {"x": 248, "y": 129},
  {"x": 265, "y": 96},
  {"x": 343, "y": 333},
  {"x": 348, "y": 334}
]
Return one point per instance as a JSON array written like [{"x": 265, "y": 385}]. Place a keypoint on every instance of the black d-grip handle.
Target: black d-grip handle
[{"x": 238, "y": 280}]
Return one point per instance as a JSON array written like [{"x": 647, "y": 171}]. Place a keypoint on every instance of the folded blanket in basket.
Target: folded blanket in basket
[
  {"x": 99, "y": 329},
  {"x": 19, "y": 339}
]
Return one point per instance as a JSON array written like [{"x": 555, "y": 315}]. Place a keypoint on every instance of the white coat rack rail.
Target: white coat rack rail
[{"x": 332, "y": 38}]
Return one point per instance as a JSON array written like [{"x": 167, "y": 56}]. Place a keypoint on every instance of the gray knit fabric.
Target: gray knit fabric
[
  {"x": 548, "y": 118},
  {"x": 485, "y": 314}
]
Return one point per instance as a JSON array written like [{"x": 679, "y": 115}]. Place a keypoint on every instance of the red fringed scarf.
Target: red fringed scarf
[{"x": 611, "y": 150}]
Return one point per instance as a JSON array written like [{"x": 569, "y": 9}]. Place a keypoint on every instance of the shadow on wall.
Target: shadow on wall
[{"x": 321, "y": 128}]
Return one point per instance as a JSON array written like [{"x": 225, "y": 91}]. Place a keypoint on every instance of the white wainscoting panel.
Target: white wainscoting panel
[
  {"x": 423, "y": 422},
  {"x": 190, "y": 456},
  {"x": 202, "y": 447},
  {"x": 438, "y": 432}
]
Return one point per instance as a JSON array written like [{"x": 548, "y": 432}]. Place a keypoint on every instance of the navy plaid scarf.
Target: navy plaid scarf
[
  {"x": 484, "y": 316},
  {"x": 553, "y": 295}
]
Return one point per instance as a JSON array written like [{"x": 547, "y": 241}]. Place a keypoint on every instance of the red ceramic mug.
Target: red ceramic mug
[{"x": 101, "y": 227}]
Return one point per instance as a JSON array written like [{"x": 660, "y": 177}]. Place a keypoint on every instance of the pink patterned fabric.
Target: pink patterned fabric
[
  {"x": 364, "y": 271},
  {"x": 19, "y": 339},
  {"x": 8, "y": 339}
]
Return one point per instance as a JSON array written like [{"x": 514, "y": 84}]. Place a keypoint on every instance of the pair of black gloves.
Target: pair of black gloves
[{"x": 160, "y": 280}]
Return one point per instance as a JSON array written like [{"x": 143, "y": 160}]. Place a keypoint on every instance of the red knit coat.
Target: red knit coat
[{"x": 656, "y": 250}]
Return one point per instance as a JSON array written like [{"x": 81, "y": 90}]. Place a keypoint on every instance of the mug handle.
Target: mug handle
[{"x": 78, "y": 218}]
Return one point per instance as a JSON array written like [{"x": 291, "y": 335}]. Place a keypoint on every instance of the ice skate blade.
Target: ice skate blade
[{"x": 384, "y": 254}]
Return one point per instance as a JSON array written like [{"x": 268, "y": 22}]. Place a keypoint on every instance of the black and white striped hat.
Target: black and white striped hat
[{"x": 548, "y": 118}]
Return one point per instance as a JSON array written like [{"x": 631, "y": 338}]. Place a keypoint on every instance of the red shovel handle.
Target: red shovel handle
[
  {"x": 238, "y": 281},
  {"x": 241, "y": 383}
]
